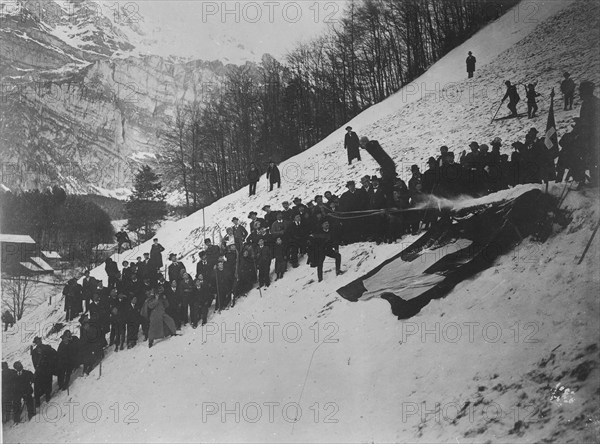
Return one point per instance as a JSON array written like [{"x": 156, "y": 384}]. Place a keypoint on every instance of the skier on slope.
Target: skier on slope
[{"x": 513, "y": 98}]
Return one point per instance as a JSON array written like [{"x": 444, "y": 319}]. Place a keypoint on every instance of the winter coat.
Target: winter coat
[
  {"x": 23, "y": 383},
  {"x": 174, "y": 271},
  {"x": 273, "y": 174},
  {"x": 156, "y": 261},
  {"x": 253, "y": 175},
  {"x": 160, "y": 323},
  {"x": 471, "y": 63},
  {"x": 352, "y": 144}
]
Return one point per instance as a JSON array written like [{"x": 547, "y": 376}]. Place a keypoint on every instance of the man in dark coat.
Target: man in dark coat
[
  {"x": 43, "y": 357},
  {"x": 203, "y": 267},
  {"x": 73, "y": 299},
  {"x": 296, "y": 236},
  {"x": 185, "y": 293},
  {"x": 273, "y": 175},
  {"x": 513, "y": 98},
  {"x": 212, "y": 252},
  {"x": 353, "y": 200},
  {"x": 133, "y": 320},
  {"x": 263, "y": 262},
  {"x": 156, "y": 261},
  {"x": 67, "y": 357},
  {"x": 325, "y": 244},
  {"x": 112, "y": 271},
  {"x": 24, "y": 380},
  {"x": 222, "y": 286},
  {"x": 352, "y": 145},
  {"x": 567, "y": 87},
  {"x": 174, "y": 270},
  {"x": 270, "y": 216},
  {"x": 8, "y": 319},
  {"x": 471, "y": 64},
  {"x": 253, "y": 176},
  {"x": 201, "y": 302},
  {"x": 239, "y": 233},
  {"x": 10, "y": 400}
]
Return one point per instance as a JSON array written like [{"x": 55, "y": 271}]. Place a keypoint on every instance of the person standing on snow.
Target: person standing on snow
[
  {"x": 471, "y": 64},
  {"x": 273, "y": 175},
  {"x": 352, "y": 145},
  {"x": 567, "y": 87}
]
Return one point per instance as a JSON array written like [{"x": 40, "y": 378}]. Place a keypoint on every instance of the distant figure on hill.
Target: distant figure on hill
[
  {"x": 273, "y": 175},
  {"x": 352, "y": 145},
  {"x": 471, "y": 64},
  {"x": 156, "y": 260},
  {"x": 567, "y": 87},
  {"x": 8, "y": 319},
  {"x": 253, "y": 176},
  {"x": 122, "y": 238},
  {"x": 513, "y": 98},
  {"x": 531, "y": 102}
]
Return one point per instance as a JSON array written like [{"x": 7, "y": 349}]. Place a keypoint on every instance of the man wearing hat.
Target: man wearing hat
[
  {"x": 174, "y": 270},
  {"x": 471, "y": 64},
  {"x": 325, "y": 243},
  {"x": 239, "y": 233},
  {"x": 270, "y": 216},
  {"x": 287, "y": 212},
  {"x": 273, "y": 175},
  {"x": 66, "y": 358},
  {"x": 471, "y": 161},
  {"x": 23, "y": 390},
  {"x": 352, "y": 145},
  {"x": 44, "y": 361},
  {"x": 567, "y": 87}
]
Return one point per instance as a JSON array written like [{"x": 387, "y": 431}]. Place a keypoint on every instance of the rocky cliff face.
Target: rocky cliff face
[{"x": 79, "y": 104}]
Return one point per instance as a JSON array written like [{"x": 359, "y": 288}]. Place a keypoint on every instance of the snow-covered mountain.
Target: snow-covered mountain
[
  {"x": 355, "y": 371},
  {"x": 83, "y": 92}
]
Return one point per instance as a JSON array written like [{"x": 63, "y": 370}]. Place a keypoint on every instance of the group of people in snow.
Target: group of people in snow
[{"x": 142, "y": 299}]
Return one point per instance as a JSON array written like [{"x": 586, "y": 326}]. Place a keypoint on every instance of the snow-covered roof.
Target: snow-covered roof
[
  {"x": 31, "y": 266},
  {"x": 41, "y": 263},
  {"x": 16, "y": 238},
  {"x": 51, "y": 254}
]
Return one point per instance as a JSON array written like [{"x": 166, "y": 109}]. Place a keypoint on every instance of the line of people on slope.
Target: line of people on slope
[{"x": 139, "y": 297}]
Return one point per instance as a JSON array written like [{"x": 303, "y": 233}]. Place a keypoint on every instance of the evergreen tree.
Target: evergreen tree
[{"x": 146, "y": 206}]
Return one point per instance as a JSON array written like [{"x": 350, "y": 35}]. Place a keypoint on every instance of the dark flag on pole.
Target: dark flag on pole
[{"x": 551, "y": 140}]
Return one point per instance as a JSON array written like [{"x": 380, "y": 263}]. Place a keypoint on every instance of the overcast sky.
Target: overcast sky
[{"x": 189, "y": 27}]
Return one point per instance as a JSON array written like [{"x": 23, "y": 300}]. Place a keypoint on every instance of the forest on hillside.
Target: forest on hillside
[{"x": 280, "y": 108}]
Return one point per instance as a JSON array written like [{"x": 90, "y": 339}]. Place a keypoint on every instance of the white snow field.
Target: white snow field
[{"x": 510, "y": 355}]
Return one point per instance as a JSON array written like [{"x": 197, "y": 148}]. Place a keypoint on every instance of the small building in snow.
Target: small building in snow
[{"x": 22, "y": 256}]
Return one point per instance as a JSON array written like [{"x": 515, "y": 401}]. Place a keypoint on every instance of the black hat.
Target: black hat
[
  {"x": 285, "y": 203},
  {"x": 348, "y": 128},
  {"x": 37, "y": 339},
  {"x": 349, "y": 183},
  {"x": 431, "y": 160},
  {"x": 266, "y": 207},
  {"x": 414, "y": 168},
  {"x": 297, "y": 200},
  {"x": 475, "y": 144},
  {"x": 171, "y": 255},
  {"x": 234, "y": 219},
  {"x": 374, "y": 178},
  {"x": 252, "y": 213}
]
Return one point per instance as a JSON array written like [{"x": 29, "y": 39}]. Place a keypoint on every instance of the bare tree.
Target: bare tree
[{"x": 18, "y": 291}]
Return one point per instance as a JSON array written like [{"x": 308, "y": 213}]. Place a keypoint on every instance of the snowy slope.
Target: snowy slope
[{"x": 370, "y": 373}]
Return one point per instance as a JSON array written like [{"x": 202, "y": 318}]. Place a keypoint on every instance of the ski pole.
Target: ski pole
[
  {"x": 497, "y": 111},
  {"x": 589, "y": 243}
]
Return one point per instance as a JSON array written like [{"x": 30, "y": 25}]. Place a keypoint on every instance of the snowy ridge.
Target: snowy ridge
[{"x": 377, "y": 379}]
